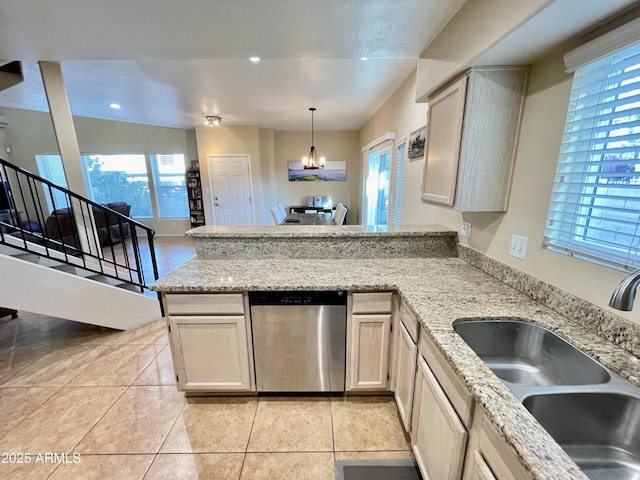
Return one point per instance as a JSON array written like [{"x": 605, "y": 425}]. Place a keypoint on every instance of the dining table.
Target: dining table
[{"x": 297, "y": 218}]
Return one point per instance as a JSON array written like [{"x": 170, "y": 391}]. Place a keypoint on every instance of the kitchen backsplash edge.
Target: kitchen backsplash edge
[{"x": 611, "y": 327}]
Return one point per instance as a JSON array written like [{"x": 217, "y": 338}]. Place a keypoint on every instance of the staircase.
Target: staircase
[{"x": 64, "y": 256}]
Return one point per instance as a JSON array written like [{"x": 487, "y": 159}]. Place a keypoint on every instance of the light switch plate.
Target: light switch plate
[
  {"x": 518, "y": 247},
  {"x": 465, "y": 230}
]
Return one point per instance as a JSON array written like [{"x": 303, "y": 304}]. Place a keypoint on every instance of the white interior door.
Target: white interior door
[{"x": 230, "y": 181}]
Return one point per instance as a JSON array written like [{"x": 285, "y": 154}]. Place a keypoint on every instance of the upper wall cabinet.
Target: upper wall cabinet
[{"x": 471, "y": 139}]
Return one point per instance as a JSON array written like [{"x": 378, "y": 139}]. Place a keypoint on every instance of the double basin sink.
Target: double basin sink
[{"x": 591, "y": 412}]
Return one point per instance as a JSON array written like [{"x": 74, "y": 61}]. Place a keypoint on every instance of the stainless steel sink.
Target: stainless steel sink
[
  {"x": 590, "y": 411},
  {"x": 599, "y": 431},
  {"x": 523, "y": 353}
]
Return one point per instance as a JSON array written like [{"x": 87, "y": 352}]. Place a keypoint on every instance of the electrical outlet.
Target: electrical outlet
[
  {"x": 518, "y": 247},
  {"x": 465, "y": 230}
]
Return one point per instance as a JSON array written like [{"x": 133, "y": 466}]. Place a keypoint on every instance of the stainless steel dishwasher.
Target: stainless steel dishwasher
[{"x": 299, "y": 340}]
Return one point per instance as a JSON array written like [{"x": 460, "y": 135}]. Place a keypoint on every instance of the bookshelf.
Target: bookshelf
[{"x": 194, "y": 194}]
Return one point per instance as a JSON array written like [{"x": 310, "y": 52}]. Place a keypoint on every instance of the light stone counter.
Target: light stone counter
[
  {"x": 439, "y": 291},
  {"x": 332, "y": 231},
  {"x": 321, "y": 241}
]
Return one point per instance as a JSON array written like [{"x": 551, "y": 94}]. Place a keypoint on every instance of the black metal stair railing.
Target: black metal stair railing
[{"x": 37, "y": 216}]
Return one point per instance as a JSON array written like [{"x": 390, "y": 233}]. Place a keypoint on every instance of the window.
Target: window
[
  {"x": 595, "y": 204},
  {"x": 377, "y": 183},
  {"x": 119, "y": 178},
  {"x": 170, "y": 187},
  {"x": 50, "y": 168}
]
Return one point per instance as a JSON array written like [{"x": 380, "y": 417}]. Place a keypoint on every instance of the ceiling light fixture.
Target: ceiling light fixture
[
  {"x": 213, "y": 120},
  {"x": 254, "y": 59},
  {"x": 115, "y": 106},
  {"x": 312, "y": 161}
]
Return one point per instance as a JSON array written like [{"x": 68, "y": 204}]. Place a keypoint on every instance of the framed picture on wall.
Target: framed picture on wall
[
  {"x": 415, "y": 148},
  {"x": 334, "y": 171}
]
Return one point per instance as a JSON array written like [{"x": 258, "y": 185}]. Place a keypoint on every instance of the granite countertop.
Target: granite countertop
[
  {"x": 438, "y": 291},
  {"x": 325, "y": 231}
]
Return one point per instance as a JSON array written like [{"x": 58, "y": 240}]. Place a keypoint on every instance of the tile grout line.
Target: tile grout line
[
  {"x": 147, "y": 366},
  {"x": 68, "y": 384},
  {"x": 155, "y": 456},
  {"x": 103, "y": 415},
  {"x": 32, "y": 411},
  {"x": 184, "y": 407},
  {"x": 246, "y": 448},
  {"x": 333, "y": 433}
]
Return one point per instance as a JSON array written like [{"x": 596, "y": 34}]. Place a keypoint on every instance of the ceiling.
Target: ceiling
[{"x": 172, "y": 62}]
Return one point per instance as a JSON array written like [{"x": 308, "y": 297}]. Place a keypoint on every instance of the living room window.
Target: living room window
[
  {"x": 119, "y": 178},
  {"x": 170, "y": 185},
  {"x": 50, "y": 167},
  {"x": 594, "y": 212}
]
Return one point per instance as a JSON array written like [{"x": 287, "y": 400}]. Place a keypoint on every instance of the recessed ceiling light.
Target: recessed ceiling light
[
  {"x": 213, "y": 120},
  {"x": 254, "y": 59},
  {"x": 115, "y": 106},
  {"x": 364, "y": 58}
]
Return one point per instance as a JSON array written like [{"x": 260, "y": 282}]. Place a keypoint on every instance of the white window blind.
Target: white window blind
[
  {"x": 50, "y": 167},
  {"x": 399, "y": 181},
  {"x": 594, "y": 212}
]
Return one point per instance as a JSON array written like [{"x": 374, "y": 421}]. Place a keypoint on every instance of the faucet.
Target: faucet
[{"x": 625, "y": 292}]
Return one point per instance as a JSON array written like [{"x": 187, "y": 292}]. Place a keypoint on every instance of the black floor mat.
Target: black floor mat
[{"x": 377, "y": 470}]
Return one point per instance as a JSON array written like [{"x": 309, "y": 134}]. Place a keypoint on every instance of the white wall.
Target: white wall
[{"x": 402, "y": 115}]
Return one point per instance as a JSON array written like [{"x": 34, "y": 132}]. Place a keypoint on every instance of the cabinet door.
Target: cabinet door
[
  {"x": 489, "y": 456},
  {"x": 369, "y": 352},
  {"x": 405, "y": 374},
  {"x": 445, "y": 114},
  {"x": 211, "y": 353},
  {"x": 478, "y": 470},
  {"x": 439, "y": 438}
]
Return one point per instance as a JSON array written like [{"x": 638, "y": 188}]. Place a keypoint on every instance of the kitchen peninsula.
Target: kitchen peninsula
[{"x": 430, "y": 279}]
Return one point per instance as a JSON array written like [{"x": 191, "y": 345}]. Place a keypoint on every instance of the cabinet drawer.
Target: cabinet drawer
[
  {"x": 204, "y": 304},
  {"x": 378, "y": 302},
  {"x": 457, "y": 393},
  {"x": 409, "y": 321}
]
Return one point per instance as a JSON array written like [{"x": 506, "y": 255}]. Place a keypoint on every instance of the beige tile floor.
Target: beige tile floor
[{"x": 110, "y": 398}]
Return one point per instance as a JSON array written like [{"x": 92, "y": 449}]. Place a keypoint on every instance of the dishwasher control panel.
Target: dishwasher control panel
[{"x": 319, "y": 297}]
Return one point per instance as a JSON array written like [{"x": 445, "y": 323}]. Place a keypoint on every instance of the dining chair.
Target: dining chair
[
  {"x": 283, "y": 211},
  {"x": 341, "y": 213},
  {"x": 277, "y": 215}
]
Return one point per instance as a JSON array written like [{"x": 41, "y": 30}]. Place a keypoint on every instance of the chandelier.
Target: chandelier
[{"x": 313, "y": 161}]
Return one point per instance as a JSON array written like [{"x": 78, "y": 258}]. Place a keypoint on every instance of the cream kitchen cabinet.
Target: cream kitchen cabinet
[
  {"x": 406, "y": 353},
  {"x": 471, "y": 139},
  {"x": 442, "y": 416},
  {"x": 210, "y": 339},
  {"x": 368, "y": 341},
  {"x": 488, "y": 456}
]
